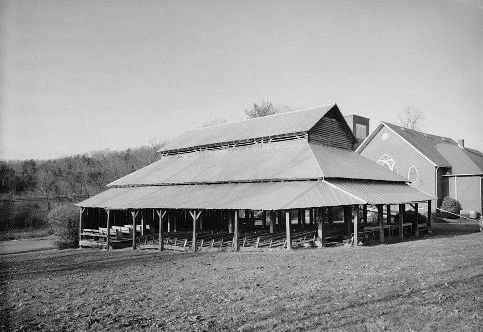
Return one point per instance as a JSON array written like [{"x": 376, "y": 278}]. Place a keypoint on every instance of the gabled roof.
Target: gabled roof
[
  {"x": 422, "y": 142},
  {"x": 268, "y": 126},
  {"x": 476, "y": 156},
  {"x": 291, "y": 160},
  {"x": 462, "y": 160}
]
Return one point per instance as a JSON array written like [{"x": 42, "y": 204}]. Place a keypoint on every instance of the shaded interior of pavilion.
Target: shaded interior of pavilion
[{"x": 235, "y": 229}]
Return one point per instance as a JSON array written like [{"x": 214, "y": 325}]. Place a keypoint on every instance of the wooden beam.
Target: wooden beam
[
  {"x": 81, "y": 224},
  {"x": 161, "y": 215},
  {"x": 288, "y": 229},
  {"x": 364, "y": 214},
  {"x": 388, "y": 214},
  {"x": 170, "y": 217},
  {"x": 321, "y": 219},
  {"x": 348, "y": 219},
  {"x": 401, "y": 220},
  {"x": 108, "y": 238},
  {"x": 302, "y": 218},
  {"x": 235, "y": 233},
  {"x": 175, "y": 220},
  {"x": 264, "y": 219},
  {"x": 380, "y": 216},
  {"x": 143, "y": 225},
  {"x": 416, "y": 208},
  {"x": 195, "y": 217},
  {"x": 429, "y": 216},
  {"x": 230, "y": 223},
  {"x": 272, "y": 222},
  {"x": 134, "y": 215},
  {"x": 356, "y": 221}
]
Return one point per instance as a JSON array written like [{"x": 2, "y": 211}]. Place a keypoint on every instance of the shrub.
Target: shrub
[
  {"x": 410, "y": 217},
  {"x": 438, "y": 217},
  {"x": 451, "y": 205},
  {"x": 64, "y": 220}
]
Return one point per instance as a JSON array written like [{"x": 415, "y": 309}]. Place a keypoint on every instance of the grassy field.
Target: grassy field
[{"x": 431, "y": 284}]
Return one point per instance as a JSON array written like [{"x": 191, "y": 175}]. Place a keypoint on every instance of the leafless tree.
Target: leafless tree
[
  {"x": 411, "y": 118},
  {"x": 264, "y": 108}
]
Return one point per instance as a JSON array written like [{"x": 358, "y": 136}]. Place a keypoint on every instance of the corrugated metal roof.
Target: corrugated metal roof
[
  {"x": 383, "y": 193},
  {"x": 278, "y": 124},
  {"x": 256, "y": 196},
  {"x": 283, "y": 160},
  {"x": 340, "y": 163},
  {"x": 425, "y": 143},
  {"x": 280, "y": 161}
]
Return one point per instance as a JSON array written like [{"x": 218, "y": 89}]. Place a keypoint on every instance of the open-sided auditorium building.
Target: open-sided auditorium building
[{"x": 277, "y": 181}]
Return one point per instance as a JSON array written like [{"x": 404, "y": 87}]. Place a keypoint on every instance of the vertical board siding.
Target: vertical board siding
[{"x": 331, "y": 132}]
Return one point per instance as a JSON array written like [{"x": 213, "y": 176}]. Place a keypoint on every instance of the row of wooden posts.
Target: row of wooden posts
[{"x": 321, "y": 216}]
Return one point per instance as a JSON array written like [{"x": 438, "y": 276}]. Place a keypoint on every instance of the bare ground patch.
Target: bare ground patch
[{"x": 429, "y": 284}]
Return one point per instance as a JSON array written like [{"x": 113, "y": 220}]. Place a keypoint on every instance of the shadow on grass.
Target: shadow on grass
[
  {"x": 389, "y": 303},
  {"x": 31, "y": 267}
]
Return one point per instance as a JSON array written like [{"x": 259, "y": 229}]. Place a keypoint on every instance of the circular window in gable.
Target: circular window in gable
[{"x": 384, "y": 136}]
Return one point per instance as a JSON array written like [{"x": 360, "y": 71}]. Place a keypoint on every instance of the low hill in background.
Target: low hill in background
[{"x": 29, "y": 189}]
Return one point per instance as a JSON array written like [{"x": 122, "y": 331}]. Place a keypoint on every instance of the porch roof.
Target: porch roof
[{"x": 255, "y": 196}]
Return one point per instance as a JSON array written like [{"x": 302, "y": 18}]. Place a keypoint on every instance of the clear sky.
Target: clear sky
[{"x": 77, "y": 76}]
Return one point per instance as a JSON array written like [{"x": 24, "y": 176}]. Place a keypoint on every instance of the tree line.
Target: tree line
[{"x": 29, "y": 189}]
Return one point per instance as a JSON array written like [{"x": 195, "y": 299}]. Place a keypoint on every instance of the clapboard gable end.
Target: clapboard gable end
[{"x": 333, "y": 130}]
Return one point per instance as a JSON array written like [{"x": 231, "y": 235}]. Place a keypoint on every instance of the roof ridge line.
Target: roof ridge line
[{"x": 263, "y": 117}]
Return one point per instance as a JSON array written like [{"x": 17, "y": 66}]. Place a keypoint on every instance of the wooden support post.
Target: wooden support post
[
  {"x": 201, "y": 223},
  {"x": 321, "y": 219},
  {"x": 302, "y": 218},
  {"x": 348, "y": 219},
  {"x": 401, "y": 220},
  {"x": 161, "y": 214},
  {"x": 195, "y": 217},
  {"x": 429, "y": 216},
  {"x": 416, "y": 208},
  {"x": 175, "y": 220},
  {"x": 380, "y": 216},
  {"x": 143, "y": 225},
  {"x": 288, "y": 229},
  {"x": 134, "y": 215},
  {"x": 235, "y": 234},
  {"x": 272, "y": 222},
  {"x": 108, "y": 239},
  {"x": 330, "y": 215},
  {"x": 81, "y": 224},
  {"x": 230, "y": 223},
  {"x": 169, "y": 217},
  {"x": 388, "y": 214},
  {"x": 264, "y": 219},
  {"x": 356, "y": 221},
  {"x": 364, "y": 214}
]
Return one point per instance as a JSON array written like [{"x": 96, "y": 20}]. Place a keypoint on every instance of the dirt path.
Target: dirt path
[{"x": 26, "y": 245}]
